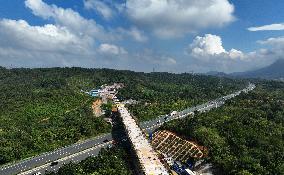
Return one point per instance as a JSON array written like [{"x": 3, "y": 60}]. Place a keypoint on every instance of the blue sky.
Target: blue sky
[{"x": 175, "y": 36}]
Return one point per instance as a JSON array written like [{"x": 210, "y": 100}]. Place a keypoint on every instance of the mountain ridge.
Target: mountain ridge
[{"x": 272, "y": 71}]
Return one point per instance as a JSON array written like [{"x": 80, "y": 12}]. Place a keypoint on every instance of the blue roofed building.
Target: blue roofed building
[{"x": 95, "y": 92}]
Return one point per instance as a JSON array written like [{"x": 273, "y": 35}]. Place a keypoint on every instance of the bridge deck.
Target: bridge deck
[{"x": 148, "y": 158}]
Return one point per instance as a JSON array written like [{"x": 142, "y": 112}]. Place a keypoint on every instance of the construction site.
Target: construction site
[
  {"x": 164, "y": 153},
  {"x": 149, "y": 161},
  {"x": 180, "y": 154},
  {"x": 173, "y": 146}
]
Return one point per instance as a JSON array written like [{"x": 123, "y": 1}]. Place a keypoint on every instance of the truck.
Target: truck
[
  {"x": 174, "y": 113},
  {"x": 53, "y": 163}
]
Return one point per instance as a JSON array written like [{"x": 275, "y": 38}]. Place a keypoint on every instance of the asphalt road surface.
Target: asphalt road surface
[
  {"x": 75, "y": 158},
  {"x": 55, "y": 155}
]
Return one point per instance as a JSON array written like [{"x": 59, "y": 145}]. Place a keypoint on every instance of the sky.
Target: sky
[{"x": 142, "y": 35}]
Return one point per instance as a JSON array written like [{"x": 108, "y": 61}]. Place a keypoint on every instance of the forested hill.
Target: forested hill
[
  {"x": 43, "y": 109},
  {"x": 244, "y": 137}
]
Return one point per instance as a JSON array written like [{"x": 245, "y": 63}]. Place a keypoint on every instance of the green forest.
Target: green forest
[
  {"x": 43, "y": 109},
  {"x": 244, "y": 137},
  {"x": 161, "y": 93}
]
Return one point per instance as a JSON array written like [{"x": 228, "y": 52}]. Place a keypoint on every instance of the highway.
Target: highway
[
  {"x": 75, "y": 158},
  {"x": 151, "y": 125},
  {"x": 54, "y": 155},
  {"x": 77, "y": 152}
]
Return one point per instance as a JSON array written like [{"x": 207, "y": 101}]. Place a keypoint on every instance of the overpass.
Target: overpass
[{"x": 147, "y": 157}]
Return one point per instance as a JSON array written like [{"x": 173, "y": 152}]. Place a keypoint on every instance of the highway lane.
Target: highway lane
[
  {"x": 154, "y": 124},
  {"x": 75, "y": 158},
  {"x": 54, "y": 155},
  {"x": 149, "y": 126},
  {"x": 190, "y": 111}
]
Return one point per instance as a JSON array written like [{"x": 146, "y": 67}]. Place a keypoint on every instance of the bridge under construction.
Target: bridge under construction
[{"x": 147, "y": 157}]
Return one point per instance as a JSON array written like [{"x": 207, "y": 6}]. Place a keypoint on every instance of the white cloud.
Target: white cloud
[
  {"x": 69, "y": 19},
  {"x": 170, "y": 61},
  {"x": 275, "y": 48},
  {"x": 41, "y": 46},
  {"x": 40, "y": 8},
  {"x": 70, "y": 40},
  {"x": 134, "y": 33},
  {"x": 99, "y": 6},
  {"x": 154, "y": 59},
  {"x": 207, "y": 45},
  {"x": 21, "y": 35},
  {"x": 276, "y": 42},
  {"x": 174, "y": 18},
  {"x": 110, "y": 49},
  {"x": 234, "y": 54},
  {"x": 137, "y": 34},
  {"x": 211, "y": 46},
  {"x": 207, "y": 53},
  {"x": 267, "y": 27}
]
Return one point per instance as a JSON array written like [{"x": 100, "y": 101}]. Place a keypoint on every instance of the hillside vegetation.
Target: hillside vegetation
[
  {"x": 41, "y": 110},
  {"x": 44, "y": 109},
  {"x": 245, "y": 137},
  {"x": 161, "y": 93}
]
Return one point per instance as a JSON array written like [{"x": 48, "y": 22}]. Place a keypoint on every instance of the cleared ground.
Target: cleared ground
[{"x": 173, "y": 146}]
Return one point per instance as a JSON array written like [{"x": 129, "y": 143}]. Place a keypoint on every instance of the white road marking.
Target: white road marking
[{"x": 63, "y": 159}]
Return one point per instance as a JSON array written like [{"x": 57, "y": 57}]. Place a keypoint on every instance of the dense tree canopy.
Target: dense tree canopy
[
  {"x": 246, "y": 135},
  {"x": 161, "y": 93}
]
